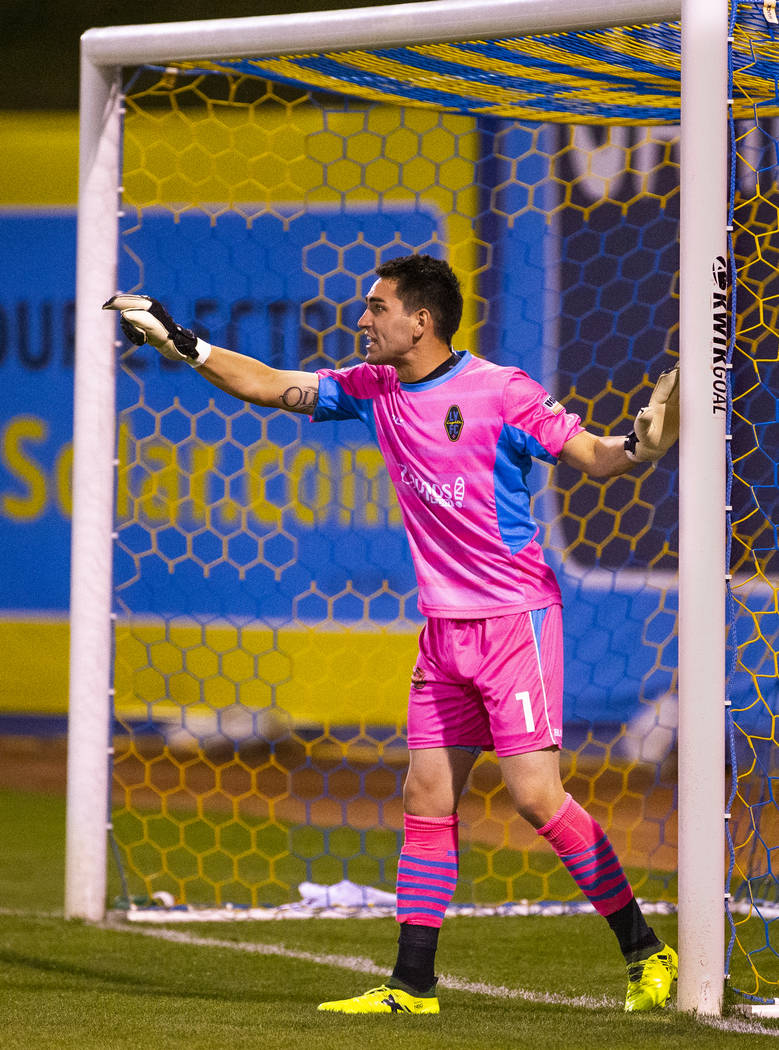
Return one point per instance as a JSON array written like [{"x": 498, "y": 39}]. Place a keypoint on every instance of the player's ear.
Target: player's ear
[{"x": 424, "y": 321}]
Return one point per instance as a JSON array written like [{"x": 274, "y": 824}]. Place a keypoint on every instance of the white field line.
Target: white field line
[{"x": 359, "y": 964}]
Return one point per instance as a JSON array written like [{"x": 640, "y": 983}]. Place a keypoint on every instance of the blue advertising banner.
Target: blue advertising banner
[
  {"x": 37, "y": 277},
  {"x": 225, "y": 511}
]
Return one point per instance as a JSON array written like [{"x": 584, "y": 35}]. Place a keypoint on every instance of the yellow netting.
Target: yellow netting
[
  {"x": 754, "y": 637},
  {"x": 622, "y": 75},
  {"x": 266, "y": 607}
]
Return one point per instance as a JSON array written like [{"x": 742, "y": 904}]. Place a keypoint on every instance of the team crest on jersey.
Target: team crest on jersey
[
  {"x": 453, "y": 422},
  {"x": 553, "y": 405}
]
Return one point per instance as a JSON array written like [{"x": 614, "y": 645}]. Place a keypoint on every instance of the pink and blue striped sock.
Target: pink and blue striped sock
[
  {"x": 584, "y": 848},
  {"x": 427, "y": 869}
]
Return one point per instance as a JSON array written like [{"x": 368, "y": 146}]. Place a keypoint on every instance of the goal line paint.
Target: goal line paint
[{"x": 360, "y": 964}]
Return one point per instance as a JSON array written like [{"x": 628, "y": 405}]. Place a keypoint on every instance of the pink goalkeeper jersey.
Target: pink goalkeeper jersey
[{"x": 458, "y": 449}]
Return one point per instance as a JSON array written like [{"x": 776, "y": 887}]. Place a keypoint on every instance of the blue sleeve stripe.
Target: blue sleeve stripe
[
  {"x": 334, "y": 403},
  {"x": 513, "y": 460}
]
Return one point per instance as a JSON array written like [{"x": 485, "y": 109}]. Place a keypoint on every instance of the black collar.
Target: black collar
[{"x": 440, "y": 370}]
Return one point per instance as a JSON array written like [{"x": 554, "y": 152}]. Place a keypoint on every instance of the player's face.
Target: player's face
[{"x": 390, "y": 333}]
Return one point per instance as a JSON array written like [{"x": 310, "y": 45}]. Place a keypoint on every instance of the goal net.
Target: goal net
[
  {"x": 753, "y": 515},
  {"x": 264, "y": 599}
]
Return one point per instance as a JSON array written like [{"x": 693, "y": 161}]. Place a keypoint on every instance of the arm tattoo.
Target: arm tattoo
[{"x": 300, "y": 399}]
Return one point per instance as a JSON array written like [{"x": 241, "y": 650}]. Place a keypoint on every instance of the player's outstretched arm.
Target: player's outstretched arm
[
  {"x": 600, "y": 457},
  {"x": 145, "y": 320},
  {"x": 655, "y": 430}
]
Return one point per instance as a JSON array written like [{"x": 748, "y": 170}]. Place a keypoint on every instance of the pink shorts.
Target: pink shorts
[{"x": 495, "y": 683}]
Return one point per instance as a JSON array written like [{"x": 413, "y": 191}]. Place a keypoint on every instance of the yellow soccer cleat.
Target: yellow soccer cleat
[
  {"x": 649, "y": 981},
  {"x": 384, "y": 1000}
]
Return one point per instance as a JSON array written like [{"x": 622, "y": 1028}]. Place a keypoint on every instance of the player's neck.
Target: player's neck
[
  {"x": 419, "y": 367},
  {"x": 440, "y": 370}
]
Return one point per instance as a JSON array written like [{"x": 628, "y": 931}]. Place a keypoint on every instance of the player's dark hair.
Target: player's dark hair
[{"x": 425, "y": 282}]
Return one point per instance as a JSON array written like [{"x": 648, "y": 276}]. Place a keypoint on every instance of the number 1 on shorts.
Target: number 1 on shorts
[{"x": 524, "y": 699}]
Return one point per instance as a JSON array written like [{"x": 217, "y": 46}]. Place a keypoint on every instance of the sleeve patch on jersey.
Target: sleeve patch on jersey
[
  {"x": 453, "y": 422},
  {"x": 553, "y": 405}
]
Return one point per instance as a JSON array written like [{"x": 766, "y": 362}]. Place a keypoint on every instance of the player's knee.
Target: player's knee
[
  {"x": 532, "y": 812},
  {"x": 538, "y": 806},
  {"x": 425, "y": 797},
  {"x": 416, "y": 794}
]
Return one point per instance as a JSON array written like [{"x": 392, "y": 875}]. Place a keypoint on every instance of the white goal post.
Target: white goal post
[{"x": 702, "y": 443}]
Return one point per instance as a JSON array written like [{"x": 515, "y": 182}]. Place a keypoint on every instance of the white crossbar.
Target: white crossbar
[{"x": 391, "y": 26}]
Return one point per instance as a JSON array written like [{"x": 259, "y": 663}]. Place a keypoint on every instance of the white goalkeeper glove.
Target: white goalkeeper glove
[
  {"x": 144, "y": 320},
  {"x": 657, "y": 425}
]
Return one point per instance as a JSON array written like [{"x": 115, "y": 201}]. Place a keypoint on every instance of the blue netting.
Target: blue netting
[
  {"x": 753, "y": 412},
  {"x": 627, "y": 75}
]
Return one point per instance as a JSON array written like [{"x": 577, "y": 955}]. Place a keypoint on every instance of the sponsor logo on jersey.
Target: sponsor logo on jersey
[
  {"x": 444, "y": 494},
  {"x": 553, "y": 405},
  {"x": 453, "y": 422}
]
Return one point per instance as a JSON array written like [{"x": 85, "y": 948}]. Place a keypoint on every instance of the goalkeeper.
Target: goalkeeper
[{"x": 458, "y": 435}]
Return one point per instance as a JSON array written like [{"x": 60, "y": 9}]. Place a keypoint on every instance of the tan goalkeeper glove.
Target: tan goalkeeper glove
[
  {"x": 144, "y": 320},
  {"x": 657, "y": 425}
]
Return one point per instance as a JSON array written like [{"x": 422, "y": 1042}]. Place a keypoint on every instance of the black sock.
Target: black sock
[
  {"x": 634, "y": 936},
  {"x": 415, "y": 966}
]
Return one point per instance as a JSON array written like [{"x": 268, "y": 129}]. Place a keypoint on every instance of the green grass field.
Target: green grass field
[{"x": 507, "y": 983}]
